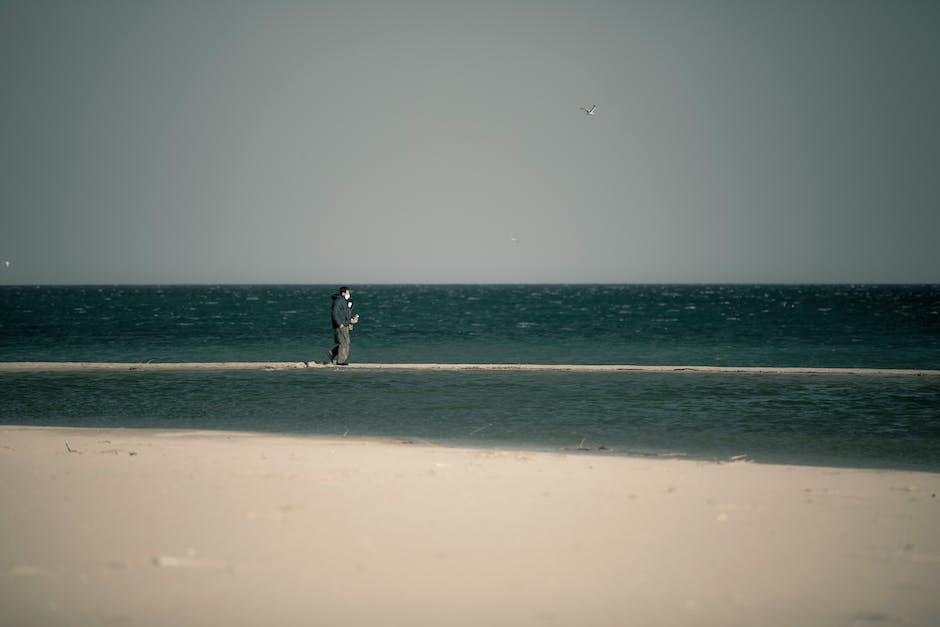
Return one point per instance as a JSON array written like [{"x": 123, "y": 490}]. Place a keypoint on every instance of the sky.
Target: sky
[{"x": 388, "y": 141}]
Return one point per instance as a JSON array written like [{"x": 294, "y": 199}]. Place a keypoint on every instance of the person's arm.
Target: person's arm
[{"x": 340, "y": 313}]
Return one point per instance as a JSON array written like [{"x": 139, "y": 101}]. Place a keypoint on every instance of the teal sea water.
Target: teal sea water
[{"x": 865, "y": 420}]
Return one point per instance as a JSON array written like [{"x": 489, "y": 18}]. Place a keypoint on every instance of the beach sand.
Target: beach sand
[{"x": 147, "y": 527}]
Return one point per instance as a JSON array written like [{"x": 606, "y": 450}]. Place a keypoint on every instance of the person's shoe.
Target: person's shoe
[{"x": 343, "y": 363}]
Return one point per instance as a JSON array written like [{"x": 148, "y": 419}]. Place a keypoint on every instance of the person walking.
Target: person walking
[{"x": 342, "y": 320}]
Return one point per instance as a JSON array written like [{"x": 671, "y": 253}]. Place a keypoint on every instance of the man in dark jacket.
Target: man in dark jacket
[{"x": 342, "y": 320}]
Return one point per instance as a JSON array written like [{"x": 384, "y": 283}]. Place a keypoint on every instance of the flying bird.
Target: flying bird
[{"x": 589, "y": 111}]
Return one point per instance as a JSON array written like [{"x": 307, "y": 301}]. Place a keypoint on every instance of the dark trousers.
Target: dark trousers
[{"x": 340, "y": 352}]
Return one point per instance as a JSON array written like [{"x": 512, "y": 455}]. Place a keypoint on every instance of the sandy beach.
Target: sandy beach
[{"x": 140, "y": 527}]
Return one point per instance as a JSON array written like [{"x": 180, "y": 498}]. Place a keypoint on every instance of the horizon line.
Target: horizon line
[{"x": 462, "y": 283}]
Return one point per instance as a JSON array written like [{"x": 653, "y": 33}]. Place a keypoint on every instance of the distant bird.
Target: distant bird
[{"x": 589, "y": 111}]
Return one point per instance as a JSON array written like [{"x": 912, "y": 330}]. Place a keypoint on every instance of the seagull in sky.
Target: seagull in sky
[{"x": 589, "y": 111}]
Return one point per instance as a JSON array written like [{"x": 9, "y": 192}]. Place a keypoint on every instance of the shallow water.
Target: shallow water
[{"x": 809, "y": 419}]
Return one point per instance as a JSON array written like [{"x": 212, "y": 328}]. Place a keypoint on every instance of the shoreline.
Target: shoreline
[
  {"x": 156, "y": 527},
  {"x": 582, "y": 449},
  {"x": 39, "y": 366}
]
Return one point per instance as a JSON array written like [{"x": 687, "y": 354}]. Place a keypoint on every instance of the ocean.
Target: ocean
[{"x": 876, "y": 421}]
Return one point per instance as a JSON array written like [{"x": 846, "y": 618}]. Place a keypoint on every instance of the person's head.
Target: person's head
[{"x": 344, "y": 292}]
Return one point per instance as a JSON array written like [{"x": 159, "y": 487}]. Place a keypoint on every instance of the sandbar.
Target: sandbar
[{"x": 34, "y": 366}]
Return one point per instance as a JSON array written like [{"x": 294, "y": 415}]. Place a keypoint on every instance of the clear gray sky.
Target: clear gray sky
[{"x": 200, "y": 141}]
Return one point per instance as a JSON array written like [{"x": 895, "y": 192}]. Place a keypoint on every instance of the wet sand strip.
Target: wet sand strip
[{"x": 27, "y": 366}]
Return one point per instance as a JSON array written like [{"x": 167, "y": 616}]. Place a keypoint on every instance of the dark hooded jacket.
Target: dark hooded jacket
[{"x": 340, "y": 312}]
